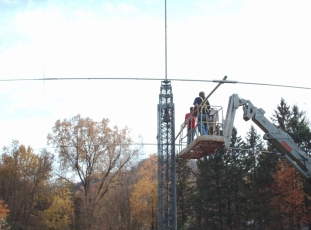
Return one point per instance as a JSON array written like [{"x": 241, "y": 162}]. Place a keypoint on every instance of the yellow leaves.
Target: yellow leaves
[
  {"x": 59, "y": 214},
  {"x": 84, "y": 142},
  {"x": 22, "y": 163},
  {"x": 144, "y": 202},
  {"x": 144, "y": 196},
  {"x": 149, "y": 168},
  {"x": 95, "y": 154},
  {"x": 24, "y": 176}
]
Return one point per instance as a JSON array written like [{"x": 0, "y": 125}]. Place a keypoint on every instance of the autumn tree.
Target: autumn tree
[
  {"x": 117, "y": 213},
  {"x": 23, "y": 178},
  {"x": 3, "y": 210},
  {"x": 95, "y": 155},
  {"x": 144, "y": 197},
  {"x": 3, "y": 214},
  {"x": 59, "y": 214},
  {"x": 289, "y": 197}
]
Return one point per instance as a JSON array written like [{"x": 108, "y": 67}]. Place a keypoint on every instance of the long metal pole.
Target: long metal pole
[
  {"x": 220, "y": 82},
  {"x": 165, "y": 44},
  {"x": 184, "y": 124}
]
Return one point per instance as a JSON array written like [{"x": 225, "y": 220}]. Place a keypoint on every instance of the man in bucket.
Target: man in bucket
[{"x": 202, "y": 108}]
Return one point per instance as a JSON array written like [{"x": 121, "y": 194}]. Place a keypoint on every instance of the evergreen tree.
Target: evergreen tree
[
  {"x": 207, "y": 202},
  {"x": 235, "y": 183},
  {"x": 293, "y": 122},
  {"x": 282, "y": 115},
  {"x": 183, "y": 190},
  {"x": 299, "y": 130},
  {"x": 219, "y": 202},
  {"x": 258, "y": 181}
]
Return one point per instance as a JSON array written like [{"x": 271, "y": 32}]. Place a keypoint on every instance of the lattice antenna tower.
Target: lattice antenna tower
[
  {"x": 167, "y": 214},
  {"x": 167, "y": 217}
]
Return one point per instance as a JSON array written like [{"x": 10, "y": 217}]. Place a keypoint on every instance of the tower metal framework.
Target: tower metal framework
[{"x": 167, "y": 215}]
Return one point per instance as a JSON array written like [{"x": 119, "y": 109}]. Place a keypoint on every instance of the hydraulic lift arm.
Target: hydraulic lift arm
[{"x": 278, "y": 138}]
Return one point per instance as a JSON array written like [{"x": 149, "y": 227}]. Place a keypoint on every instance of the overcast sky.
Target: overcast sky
[{"x": 248, "y": 41}]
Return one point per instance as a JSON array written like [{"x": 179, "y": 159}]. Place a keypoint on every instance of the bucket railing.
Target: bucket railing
[{"x": 215, "y": 126}]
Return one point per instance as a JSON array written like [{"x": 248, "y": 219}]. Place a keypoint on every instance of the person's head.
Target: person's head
[
  {"x": 201, "y": 94},
  {"x": 191, "y": 109}
]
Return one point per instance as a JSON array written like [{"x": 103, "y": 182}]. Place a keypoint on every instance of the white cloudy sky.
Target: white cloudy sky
[{"x": 248, "y": 41}]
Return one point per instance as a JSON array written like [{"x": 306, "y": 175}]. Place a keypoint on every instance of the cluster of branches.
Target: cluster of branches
[
  {"x": 248, "y": 189},
  {"x": 73, "y": 189}
]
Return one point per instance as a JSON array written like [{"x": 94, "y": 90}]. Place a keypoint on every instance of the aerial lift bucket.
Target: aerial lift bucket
[{"x": 202, "y": 146}]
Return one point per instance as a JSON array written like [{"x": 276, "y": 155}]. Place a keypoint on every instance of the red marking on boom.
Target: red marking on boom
[{"x": 289, "y": 149}]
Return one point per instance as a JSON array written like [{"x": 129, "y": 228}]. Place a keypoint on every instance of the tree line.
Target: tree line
[
  {"x": 95, "y": 179},
  {"x": 250, "y": 186}
]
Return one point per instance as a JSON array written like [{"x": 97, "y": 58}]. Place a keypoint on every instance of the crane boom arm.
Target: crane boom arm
[{"x": 277, "y": 137}]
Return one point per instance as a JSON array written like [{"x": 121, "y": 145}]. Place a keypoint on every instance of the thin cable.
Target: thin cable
[
  {"x": 254, "y": 150},
  {"x": 289, "y": 86},
  {"x": 150, "y": 79},
  {"x": 155, "y": 144},
  {"x": 43, "y": 78},
  {"x": 106, "y": 78},
  {"x": 200, "y": 106},
  {"x": 49, "y": 147}
]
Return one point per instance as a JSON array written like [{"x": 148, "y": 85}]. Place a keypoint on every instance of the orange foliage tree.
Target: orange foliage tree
[
  {"x": 289, "y": 196},
  {"x": 3, "y": 210},
  {"x": 3, "y": 214},
  {"x": 144, "y": 196}
]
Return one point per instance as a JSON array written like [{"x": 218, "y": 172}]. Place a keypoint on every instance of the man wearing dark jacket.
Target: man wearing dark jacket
[{"x": 202, "y": 107}]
